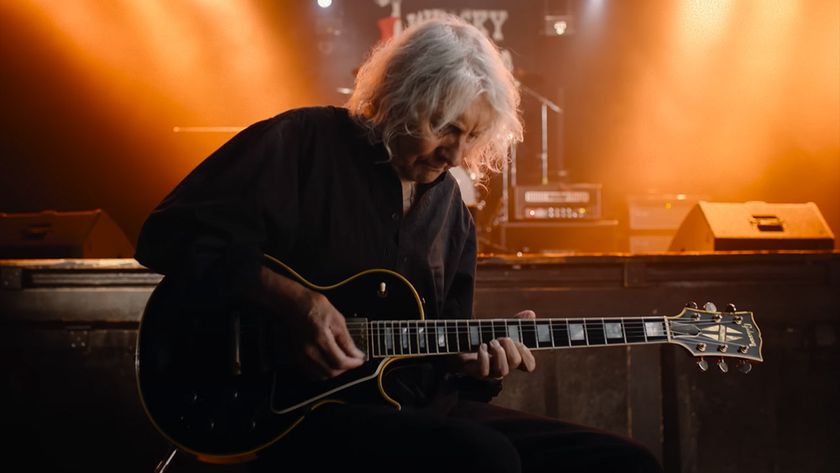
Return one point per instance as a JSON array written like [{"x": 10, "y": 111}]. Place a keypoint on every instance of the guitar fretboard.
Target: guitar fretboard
[{"x": 429, "y": 337}]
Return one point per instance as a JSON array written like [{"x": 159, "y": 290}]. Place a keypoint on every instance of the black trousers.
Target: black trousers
[{"x": 469, "y": 436}]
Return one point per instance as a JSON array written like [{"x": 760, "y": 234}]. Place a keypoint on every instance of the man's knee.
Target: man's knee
[{"x": 473, "y": 447}]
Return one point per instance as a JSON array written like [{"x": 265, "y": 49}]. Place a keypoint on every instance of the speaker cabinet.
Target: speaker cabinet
[
  {"x": 51, "y": 234},
  {"x": 724, "y": 226},
  {"x": 653, "y": 219}
]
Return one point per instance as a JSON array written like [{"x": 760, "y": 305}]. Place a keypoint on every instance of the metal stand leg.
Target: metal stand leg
[
  {"x": 164, "y": 464},
  {"x": 545, "y": 104}
]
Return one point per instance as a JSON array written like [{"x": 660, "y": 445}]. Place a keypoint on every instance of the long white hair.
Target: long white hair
[{"x": 424, "y": 79}]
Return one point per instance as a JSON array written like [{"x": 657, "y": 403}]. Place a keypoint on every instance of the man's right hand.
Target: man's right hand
[
  {"x": 319, "y": 341},
  {"x": 326, "y": 348}
]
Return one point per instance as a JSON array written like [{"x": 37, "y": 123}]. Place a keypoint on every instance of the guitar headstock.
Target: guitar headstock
[{"x": 717, "y": 334}]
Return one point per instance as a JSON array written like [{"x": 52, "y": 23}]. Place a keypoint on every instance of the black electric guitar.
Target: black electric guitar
[{"x": 214, "y": 384}]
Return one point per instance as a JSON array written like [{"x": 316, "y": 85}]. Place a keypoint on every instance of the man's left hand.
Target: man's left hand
[{"x": 499, "y": 357}]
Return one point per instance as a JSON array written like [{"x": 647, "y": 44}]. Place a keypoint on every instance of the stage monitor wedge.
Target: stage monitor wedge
[
  {"x": 56, "y": 234},
  {"x": 746, "y": 226}
]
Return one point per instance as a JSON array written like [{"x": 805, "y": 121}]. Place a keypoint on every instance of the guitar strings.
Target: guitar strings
[
  {"x": 433, "y": 335},
  {"x": 460, "y": 328},
  {"x": 472, "y": 325},
  {"x": 527, "y": 324},
  {"x": 415, "y": 332},
  {"x": 513, "y": 322}
]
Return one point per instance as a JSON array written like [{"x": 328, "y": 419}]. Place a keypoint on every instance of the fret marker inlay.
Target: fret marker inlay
[
  {"x": 389, "y": 341},
  {"x": 474, "y": 338},
  {"x": 441, "y": 336},
  {"x": 513, "y": 333},
  {"x": 654, "y": 329},
  {"x": 576, "y": 332},
  {"x": 613, "y": 329},
  {"x": 543, "y": 333}
]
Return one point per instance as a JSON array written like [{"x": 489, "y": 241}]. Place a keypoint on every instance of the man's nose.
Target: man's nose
[{"x": 453, "y": 151}]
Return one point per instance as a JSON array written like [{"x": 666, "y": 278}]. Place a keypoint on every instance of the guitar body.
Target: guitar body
[{"x": 217, "y": 383}]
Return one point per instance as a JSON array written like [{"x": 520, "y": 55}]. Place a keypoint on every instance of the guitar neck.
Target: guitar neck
[{"x": 436, "y": 337}]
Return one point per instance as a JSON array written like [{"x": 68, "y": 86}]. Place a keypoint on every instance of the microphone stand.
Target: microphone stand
[{"x": 545, "y": 104}]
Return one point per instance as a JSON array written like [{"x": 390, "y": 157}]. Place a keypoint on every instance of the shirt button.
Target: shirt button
[{"x": 395, "y": 216}]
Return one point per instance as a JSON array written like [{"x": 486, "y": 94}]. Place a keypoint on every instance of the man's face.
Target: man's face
[{"x": 424, "y": 159}]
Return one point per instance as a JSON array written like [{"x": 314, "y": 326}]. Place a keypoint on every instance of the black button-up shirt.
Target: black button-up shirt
[{"x": 309, "y": 188}]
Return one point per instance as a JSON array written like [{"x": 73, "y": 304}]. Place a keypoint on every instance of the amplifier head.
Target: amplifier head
[{"x": 557, "y": 202}]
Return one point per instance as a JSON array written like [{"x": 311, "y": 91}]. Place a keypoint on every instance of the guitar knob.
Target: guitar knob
[
  {"x": 730, "y": 308},
  {"x": 744, "y": 366},
  {"x": 723, "y": 366},
  {"x": 703, "y": 364},
  {"x": 691, "y": 305},
  {"x": 710, "y": 307}
]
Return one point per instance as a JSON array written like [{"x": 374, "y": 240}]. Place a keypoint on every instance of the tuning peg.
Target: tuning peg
[
  {"x": 691, "y": 305},
  {"x": 730, "y": 308},
  {"x": 744, "y": 366},
  {"x": 710, "y": 307},
  {"x": 703, "y": 364},
  {"x": 723, "y": 366}
]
